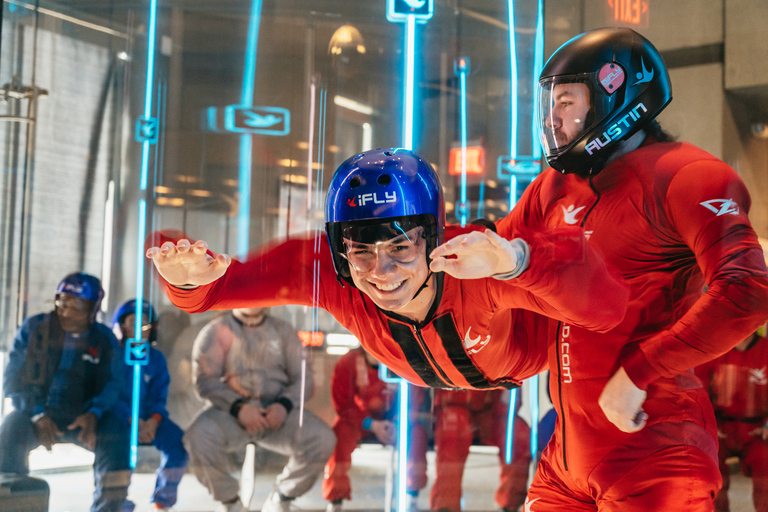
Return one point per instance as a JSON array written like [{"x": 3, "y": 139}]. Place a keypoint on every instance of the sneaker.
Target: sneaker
[
  {"x": 333, "y": 507},
  {"x": 275, "y": 503},
  {"x": 235, "y": 506},
  {"x": 411, "y": 502}
]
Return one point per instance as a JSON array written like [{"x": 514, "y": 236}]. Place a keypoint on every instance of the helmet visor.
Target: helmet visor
[{"x": 565, "y": 111}]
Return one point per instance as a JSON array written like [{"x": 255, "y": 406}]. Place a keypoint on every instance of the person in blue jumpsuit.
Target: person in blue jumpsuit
[
  {"x": 155, "y": 427},
  {"x": 63, "y": 378}
]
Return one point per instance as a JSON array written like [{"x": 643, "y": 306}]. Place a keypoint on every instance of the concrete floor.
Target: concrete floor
[{"x": 71, "y": 490}]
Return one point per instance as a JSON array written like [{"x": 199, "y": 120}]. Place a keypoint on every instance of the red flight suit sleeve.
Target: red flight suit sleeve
[
  {"x": 708, "y": 205},
  {"x": 278, "y": 274},
  {"x": 567, "y": 278}
]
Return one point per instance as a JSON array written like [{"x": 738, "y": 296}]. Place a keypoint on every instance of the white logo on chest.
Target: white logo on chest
[
  {"x": 757, "y": 375},
  {"x": 569, "y": 214},
  {"x": 474, "y": 346}
]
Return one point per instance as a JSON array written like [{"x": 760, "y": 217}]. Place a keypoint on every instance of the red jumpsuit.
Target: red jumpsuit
[
  {"x": 480, "y": 333},
  {"x": 671, "y": 218},
  {"x": 462, "y": 416},
  {"x": 358, "y": 393},
  {"x": 738, "y": 385}
]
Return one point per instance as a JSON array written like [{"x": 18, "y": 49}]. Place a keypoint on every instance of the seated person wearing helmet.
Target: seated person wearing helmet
[
  {"x": 635, "y": 430},
  {"x": 366, "y": 409},
  {"x": 397, "y": 291},
  {"x": 155, "y": 427},
  {"x": 64, "y": 377}
]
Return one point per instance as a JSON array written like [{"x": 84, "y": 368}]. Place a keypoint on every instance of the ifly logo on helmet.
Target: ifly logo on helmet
[
  {"x": 616, "y": 130},
  {"x": 363, "y": 199},
  {"x": 72, "y": 288}
]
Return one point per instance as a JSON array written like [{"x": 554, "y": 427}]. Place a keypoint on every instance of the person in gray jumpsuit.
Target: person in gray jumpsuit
[{"x": 248, "y": 366}]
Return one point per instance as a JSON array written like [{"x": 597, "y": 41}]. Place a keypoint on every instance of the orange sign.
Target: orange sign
[
  {"x": 475, "y": 161},
  {"x": 633, "y": 12},
  {"x": 311, "y": 338}
]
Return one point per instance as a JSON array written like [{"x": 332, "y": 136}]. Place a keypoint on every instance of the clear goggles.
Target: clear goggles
[
  {"x": 566, "y": 108},
  {"x": 77, "y": 304},
  {"x": 403, "y": 249}
]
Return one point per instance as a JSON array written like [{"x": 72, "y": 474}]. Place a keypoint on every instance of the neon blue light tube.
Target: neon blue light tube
[
  {"x": 137, "y": 331},
  {"x": 403, "y": 446},
  {"x": 511, "y": 425},
  {"x": 249, "y": 74},
  {"x": 463, "y": 102},
  {"x": 246, "y": 143},
  {"x": 533, "y": 396},
  {"x": 512, "y": 83},
  {"x": 410, "y": 50},
  {"x": 538, "y": 64}
]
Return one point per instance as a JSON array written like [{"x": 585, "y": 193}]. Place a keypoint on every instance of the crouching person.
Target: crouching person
[
  {"x": 64, "y": 377},
  {"x": 248, "y": 366},
  {"x": 155, "y": 427}
]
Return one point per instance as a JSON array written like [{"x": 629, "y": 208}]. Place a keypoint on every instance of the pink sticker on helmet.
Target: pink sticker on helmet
[{"x": 611, "y": 77}]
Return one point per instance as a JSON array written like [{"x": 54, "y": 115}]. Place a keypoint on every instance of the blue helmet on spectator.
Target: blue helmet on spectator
[
  {"x": 379, "y": 194},
  {"x": 129, "y": 308},
  {"x": 84, "y": 286}
]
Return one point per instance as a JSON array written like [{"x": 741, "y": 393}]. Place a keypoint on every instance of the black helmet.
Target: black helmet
[{"x": 626, "y": 83}]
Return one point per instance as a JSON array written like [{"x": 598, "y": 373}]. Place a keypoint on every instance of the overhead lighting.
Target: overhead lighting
[
  {"x": 170, "y": 201},
  {"x": 199, "y": 193},
  {"x": 353, "y": 105},
  {"x": 337, "y": 351}
]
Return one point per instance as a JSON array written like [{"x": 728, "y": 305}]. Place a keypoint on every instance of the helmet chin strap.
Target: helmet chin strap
[{"x": 423, "y": 285}]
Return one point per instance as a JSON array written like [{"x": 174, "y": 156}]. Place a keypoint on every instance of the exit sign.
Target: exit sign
[{"x": 628, "y": 12}]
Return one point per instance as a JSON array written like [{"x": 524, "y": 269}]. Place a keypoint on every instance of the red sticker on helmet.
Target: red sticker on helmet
[{"x": 611, "y": 77}]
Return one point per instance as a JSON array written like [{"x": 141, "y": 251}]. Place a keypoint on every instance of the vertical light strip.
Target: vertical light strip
[
  {"x": 511, "y": 425},
  {"x": 538, "y": 64},
  {"x": 367, "y": 137},
  {"x": 403, "y": 441},
  {"x": 246, "y": 142},
  {"x": 533, "y": 396},
  {"x": 512, "y": 83},
  {"x": 410, "y": 50},
  {"x": 464, "y": 210},
  {"x": 142, "y": 227}
]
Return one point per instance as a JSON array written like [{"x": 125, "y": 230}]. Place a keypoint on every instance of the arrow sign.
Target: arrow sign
[
  {"x": 137, "y": 352},
  {"x": 263, "y": 120},
  {"x": 399, "y": 10},
  {"x": 526, "y": 167},
  {"x": 146, "y": 129}
]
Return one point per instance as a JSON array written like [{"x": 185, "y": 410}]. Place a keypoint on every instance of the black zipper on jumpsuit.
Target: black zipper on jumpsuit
[{"x": 559, "y": 329}]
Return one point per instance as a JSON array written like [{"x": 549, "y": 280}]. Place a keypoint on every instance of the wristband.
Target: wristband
[
  {"x": 37, "y": 417},
  {"x": 238, "y": 404},
  {"x": 367, "y": 422},
  {"x": 285, "y": 402},
  {"x": 523, "y": 258}
]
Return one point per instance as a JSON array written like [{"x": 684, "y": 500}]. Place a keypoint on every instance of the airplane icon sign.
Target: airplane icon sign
[
  {"x": 400, "y": 10},
  {"x": 146, "y": 130},
  {"x": 263, "y": 120},
  {"x": 137, "y": 352}
]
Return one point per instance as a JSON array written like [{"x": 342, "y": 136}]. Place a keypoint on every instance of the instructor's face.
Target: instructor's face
[
  {"x": 570, "y": 105},
  {"x": 74, "y": 313}
]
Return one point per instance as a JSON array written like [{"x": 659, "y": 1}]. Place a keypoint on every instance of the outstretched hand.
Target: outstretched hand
[
  {"x": 183, "y": 263},
  {"x": 477, "y": 255}
]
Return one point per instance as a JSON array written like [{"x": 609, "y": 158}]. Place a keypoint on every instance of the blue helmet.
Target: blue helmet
[
  {"x": 129, "y": 308},
  {"x": 84, "y": 286},
  {"x": 378, "y": 189}
]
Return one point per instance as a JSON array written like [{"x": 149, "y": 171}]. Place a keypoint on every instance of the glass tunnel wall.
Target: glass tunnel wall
[{"x": 254, "y": 104}]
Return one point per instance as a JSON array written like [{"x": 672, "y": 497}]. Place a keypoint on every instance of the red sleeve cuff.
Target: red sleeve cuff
[{"x": 639, "y": 370}]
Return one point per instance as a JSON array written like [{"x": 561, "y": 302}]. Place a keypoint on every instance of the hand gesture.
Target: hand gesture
[
  {"x": 182, "y": 263},
  {"x": 47, "y": 432},
  {"x": 622, "y": 401},
  {"x": 87, "y": 425},
  {"x": 478, "y": 255},
  {"x": 252, "y": 418},
  {"x": 275, "y": 415},
  {"x": 147, "y": 430},
  {"x": 384, "y": 431}
]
